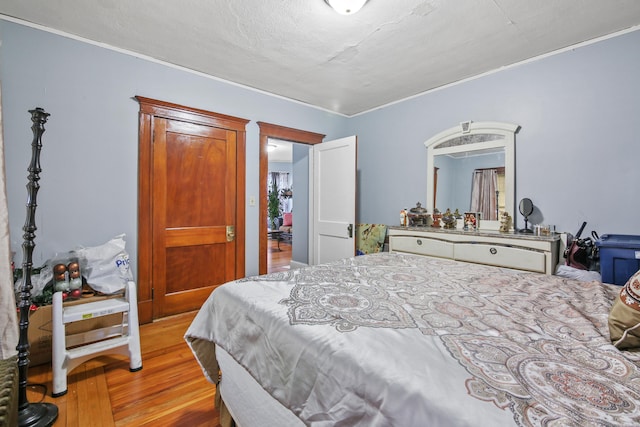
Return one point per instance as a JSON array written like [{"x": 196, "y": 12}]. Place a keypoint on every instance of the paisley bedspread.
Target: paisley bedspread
[{"x": 403, "y": 340}]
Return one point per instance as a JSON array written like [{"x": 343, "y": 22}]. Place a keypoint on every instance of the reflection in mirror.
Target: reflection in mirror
[
  {"x": 471, "y": 182},
  {"x": 472, "y": 169}
]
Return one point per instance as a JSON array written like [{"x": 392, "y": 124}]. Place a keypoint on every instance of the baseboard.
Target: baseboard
[{"x": 293, "y": 265}]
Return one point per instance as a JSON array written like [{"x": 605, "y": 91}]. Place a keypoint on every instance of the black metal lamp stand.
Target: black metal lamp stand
[{"x": 31, "y": 414}]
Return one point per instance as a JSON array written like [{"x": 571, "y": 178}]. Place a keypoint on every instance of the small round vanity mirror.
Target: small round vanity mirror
[{"x": 526, "y": 209}]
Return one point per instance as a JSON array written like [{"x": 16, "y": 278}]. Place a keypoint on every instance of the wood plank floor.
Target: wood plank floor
[
  {"x": 170, "y": 390},
  {"x": 278, "y": 259}
]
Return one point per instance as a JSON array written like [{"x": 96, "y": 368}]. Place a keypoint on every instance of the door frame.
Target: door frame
[
  {"x": 268, "y": 130},
  {"x": 149, "y": 109}
]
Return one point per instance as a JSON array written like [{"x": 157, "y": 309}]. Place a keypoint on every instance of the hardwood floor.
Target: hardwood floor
[
  {"x": 170, "y": 390},
  {"x": 278, "y": 259}
]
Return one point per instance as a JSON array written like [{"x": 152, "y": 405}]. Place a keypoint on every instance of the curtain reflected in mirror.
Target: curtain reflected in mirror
[{"x": 487, "y": 192}]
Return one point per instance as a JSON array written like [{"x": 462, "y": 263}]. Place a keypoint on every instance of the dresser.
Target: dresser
[{"x": 511, "y": 250}]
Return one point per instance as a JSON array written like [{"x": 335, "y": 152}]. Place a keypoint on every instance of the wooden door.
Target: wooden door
[
  {"x": 191, "y": 231},
  {"x": 334, "y": 196}
]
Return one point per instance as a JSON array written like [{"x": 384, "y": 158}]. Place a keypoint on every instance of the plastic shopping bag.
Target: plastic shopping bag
[{"x": 106, "y": 267}]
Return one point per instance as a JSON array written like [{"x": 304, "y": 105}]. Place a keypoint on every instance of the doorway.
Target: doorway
[
  {"x": 280, "y": 203},
  {"x": 271, "y": 131}
]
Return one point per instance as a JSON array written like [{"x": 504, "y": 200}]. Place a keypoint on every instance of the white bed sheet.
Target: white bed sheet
[
  {"x": 249, "y": 404},
  {"x": 396, "y": 339}
]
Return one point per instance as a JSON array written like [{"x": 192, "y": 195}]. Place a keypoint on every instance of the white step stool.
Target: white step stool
[{"x": 70, "y": 352}]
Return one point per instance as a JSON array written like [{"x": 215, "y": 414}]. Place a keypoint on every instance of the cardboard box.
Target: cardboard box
[{"x": 41, "y": 328}]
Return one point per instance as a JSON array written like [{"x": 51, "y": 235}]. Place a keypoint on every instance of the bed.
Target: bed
[{"x": 393, "y": 339}]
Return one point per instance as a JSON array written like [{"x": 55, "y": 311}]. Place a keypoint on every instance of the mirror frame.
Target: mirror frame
[{"x": 438, "y": 145}]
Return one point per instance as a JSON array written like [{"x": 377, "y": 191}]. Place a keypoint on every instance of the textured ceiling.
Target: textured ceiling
[{"x": 303, "y": 50}]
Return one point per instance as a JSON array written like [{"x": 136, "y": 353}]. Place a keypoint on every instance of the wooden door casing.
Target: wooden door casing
[
  {"x": 179, "y": 231},
  {"x": 268, "y": 130}
]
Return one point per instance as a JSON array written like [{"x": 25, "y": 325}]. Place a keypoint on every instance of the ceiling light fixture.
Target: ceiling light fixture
[{"x": 346, "y": 7}]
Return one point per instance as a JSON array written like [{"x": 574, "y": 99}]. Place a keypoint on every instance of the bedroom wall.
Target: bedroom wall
[
  {"x": 576, "y": 153},
  {"x": 88, "y": 186},
  {"x": 301, "y": 172}
]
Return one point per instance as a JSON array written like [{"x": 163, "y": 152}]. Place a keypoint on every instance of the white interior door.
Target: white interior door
[{"x": 334, "y": 199}]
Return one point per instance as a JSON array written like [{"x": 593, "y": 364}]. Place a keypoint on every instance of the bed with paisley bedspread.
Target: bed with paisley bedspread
[{"x": 394, "y": 339}]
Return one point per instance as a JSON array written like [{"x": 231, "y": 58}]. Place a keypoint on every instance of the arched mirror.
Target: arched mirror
[{"x": 471, "y": 167}]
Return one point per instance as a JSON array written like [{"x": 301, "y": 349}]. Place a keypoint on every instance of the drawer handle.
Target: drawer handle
[
  {"x": 493, "y": 251},
  {"x": 419, "y": 242}
]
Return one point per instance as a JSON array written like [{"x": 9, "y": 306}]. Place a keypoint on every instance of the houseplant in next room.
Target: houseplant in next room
[{"x": 273, "y": 205}]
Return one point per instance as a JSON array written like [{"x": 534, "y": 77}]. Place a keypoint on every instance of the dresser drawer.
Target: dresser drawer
[
  {"x": 501, "y": 256},
  {"x": 421, "y": 246}
]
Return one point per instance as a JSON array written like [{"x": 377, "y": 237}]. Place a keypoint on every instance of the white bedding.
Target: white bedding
[
  {"x": 402, "y": 340},
  {"x": 247, "y": 402}
]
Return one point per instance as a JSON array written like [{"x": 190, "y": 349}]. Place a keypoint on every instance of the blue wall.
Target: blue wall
[
  {"x": 576, "y": 153},
  {"x": 301, "y": 172},
  {"x": 280, "y": 167},
  {"x": 90, "y": 148}
]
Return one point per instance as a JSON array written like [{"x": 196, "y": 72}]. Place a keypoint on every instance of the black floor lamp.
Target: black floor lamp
[{"x": 31, "y": 414}]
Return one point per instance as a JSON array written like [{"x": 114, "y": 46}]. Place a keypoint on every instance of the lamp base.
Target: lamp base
[
  {"x": 38, "y": 414},
  {"x": 525, "y": 231}
]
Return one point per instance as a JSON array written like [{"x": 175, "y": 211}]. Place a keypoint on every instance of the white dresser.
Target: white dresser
[{"x": 511, "y": 250}]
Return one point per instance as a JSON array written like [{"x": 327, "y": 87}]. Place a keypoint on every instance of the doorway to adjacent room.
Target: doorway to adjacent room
[
  {"x": 280, "y": 179},
  {"x": 270, "y": 131}
]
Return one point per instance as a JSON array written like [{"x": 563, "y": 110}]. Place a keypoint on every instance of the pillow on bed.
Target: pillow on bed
[
  {"x": 624, "y": 318},
  {"x": 287, "y": 219}
]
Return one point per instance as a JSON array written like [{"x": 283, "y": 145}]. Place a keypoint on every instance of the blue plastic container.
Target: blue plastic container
[{"x": 619, "y": 257}]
